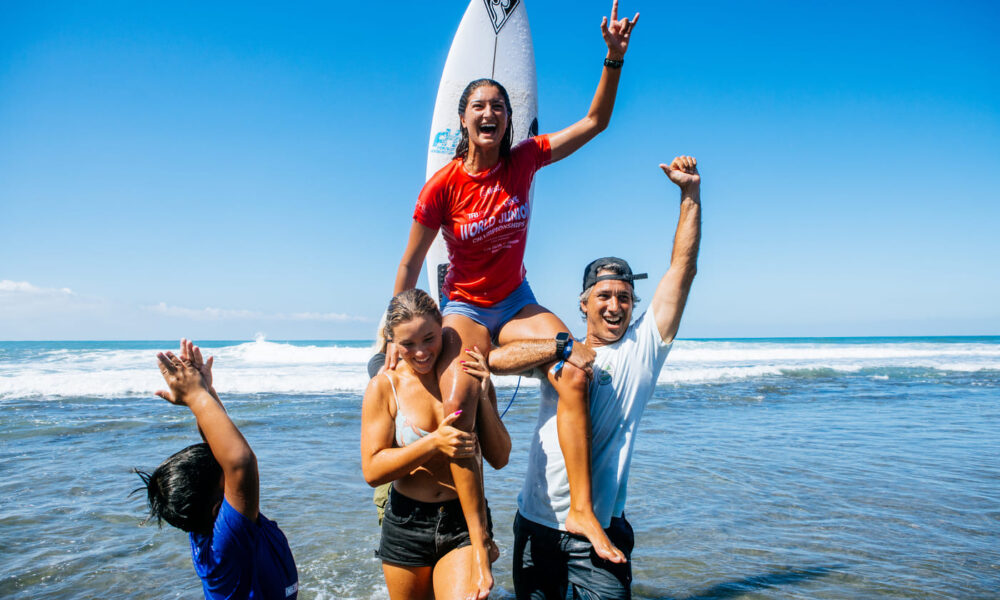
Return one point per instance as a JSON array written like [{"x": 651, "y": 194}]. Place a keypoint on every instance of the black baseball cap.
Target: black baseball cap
[{"x": 590, "y": 274}]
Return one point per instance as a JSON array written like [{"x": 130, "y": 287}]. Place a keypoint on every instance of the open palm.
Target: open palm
[{"x": 192, "y": 353}]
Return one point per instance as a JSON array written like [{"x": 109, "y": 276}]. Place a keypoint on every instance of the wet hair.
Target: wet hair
[
  {"x": 508, "y": 137},
  {"x": 606, "y": 270},
  {"x": 184, "y": 489},
  {"x": 406, "y": 306}
]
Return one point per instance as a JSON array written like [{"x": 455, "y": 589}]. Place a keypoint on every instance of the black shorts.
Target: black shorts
[
  {"x": 548, "y": 563},
  {"x": 418, "y": 534}
]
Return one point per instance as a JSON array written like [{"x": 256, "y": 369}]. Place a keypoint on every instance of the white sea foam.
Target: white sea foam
[
  {"x": 702, "y": 352},
  {"x": 268, "y": 367},
  {"x": 264, "y": 353},
  {"x": 704, "y": 361}
]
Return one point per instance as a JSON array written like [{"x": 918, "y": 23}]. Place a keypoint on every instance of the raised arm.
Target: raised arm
[
  {"x": 672, "y": 292},
  {"x": 417, "y": 246},
  {"x": 239, "y": 465},
  {"x": 381, "y": 460},
  {"x": 616, "y": 35},
  {"x": 205, "y": 368}
]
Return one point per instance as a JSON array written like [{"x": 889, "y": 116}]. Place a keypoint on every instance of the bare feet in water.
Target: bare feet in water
[{"x": 586, "y": 524}]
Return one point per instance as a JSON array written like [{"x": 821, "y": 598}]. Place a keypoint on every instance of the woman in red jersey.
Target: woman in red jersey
[{"x": 480, "y": 202}]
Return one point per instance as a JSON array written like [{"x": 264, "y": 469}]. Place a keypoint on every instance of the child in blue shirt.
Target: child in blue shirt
[{"x": 211, "y": 490}]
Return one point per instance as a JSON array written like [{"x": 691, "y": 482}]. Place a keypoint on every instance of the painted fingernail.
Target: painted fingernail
[{"x": 457, "y": 412}]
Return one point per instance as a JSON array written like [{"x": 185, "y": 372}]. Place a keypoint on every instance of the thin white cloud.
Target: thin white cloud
[
  {"x": 28, "y": 311},
  {"x": 23, "y": 287},
  {"x": 215, "y": 314},
  {"x": 20, "y": 292},
  {"x": 209, "y": 313},
  {"x": 32, "y": 312},
  {"x": 308, "y": 316}
]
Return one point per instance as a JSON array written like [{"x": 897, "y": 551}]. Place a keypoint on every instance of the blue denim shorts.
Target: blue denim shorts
[{"x": 496, "y": 316}]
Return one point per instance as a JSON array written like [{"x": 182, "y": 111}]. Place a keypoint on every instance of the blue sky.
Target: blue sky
[{"x": 220, "y": 170}]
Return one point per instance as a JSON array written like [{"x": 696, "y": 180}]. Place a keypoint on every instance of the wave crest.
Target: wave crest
[{"x": 265, "y": 367}]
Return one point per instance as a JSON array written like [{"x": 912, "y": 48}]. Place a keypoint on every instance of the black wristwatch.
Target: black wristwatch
[{"x": 563, "y": 343}]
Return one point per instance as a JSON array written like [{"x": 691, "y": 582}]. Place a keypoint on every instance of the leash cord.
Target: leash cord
[{"x": 511, "y": 398}]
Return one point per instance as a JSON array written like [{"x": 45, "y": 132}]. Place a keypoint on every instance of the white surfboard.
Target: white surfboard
[{"x": 493, "y": 40}]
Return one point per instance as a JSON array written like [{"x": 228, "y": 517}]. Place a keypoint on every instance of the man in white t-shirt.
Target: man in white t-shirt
[{"x": 549, "y": 559}]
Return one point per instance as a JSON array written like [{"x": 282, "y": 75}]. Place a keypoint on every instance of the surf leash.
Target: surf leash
[{"x": 514, "y": 395}]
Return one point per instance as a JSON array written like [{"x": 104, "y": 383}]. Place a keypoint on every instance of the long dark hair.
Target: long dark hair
[{"x": 508, "y": 137}]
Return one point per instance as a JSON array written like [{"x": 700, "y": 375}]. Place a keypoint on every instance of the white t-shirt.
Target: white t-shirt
[{"x": 624, "y": 379}]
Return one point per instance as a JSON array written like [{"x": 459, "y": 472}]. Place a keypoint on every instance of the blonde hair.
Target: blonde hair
[{"x": 406, "y": 306}]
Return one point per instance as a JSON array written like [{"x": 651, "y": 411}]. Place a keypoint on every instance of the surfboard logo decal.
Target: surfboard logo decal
[
  {"x": 446, "y": 141},
  {"x": 500, "y": 11}
]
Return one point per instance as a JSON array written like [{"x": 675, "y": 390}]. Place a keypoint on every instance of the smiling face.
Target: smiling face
[
  {"x": 419, "y": 342},
  {"x": 486, "y": 117},
  {"x": 608, "y": 310}
]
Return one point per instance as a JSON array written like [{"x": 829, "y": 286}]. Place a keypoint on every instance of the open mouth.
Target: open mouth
[
  {"x": 488, "y": 128},
  {"x": 425, "y": 361},
  {"x": 613, "y": 321}
]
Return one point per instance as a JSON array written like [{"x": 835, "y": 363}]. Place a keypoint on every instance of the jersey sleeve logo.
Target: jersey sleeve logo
[{"x": 499, "y": 11}]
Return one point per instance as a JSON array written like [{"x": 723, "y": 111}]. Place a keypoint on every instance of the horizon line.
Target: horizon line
[{"x": 371, "y": 340}]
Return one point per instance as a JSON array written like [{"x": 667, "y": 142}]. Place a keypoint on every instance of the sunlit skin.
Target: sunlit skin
[
  {"x": 486, "y": 120},
  {"x": 189, "y": 383},
  {"x": 419, "y": 343},
  {"x": 609, "y": 304},
  {"x": 421, "y": 469},
  {"x": 608, "y": 310}
]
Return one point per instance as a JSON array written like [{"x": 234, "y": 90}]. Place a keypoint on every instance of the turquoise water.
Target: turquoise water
[{"x": 785, "y": 468}]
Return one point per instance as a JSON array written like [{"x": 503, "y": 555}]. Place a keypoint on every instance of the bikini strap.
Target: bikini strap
[{"x": 394, "y": 395}]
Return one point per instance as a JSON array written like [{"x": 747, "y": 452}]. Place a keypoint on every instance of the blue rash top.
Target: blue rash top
[{"x": 242, "y": 559}]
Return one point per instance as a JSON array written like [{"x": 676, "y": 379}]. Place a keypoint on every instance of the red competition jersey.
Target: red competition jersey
[{"x": 484, "y": 221}]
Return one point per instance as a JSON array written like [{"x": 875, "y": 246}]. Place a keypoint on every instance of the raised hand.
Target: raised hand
[
  {"x": 192, "y": 353},
  {"x": 391, "y": 358},
  {"x": 183, "y": 379},
  {"x": 617, "y": 32},
  {"x": 683, "y": 171},
  {"x": 453, "y": 442}
]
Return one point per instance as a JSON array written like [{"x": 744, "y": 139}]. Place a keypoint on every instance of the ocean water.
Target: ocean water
[{"x": 779, "y": 468}]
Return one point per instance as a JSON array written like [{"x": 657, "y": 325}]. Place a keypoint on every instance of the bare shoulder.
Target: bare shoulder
[{"x": 377, "y": 392}]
